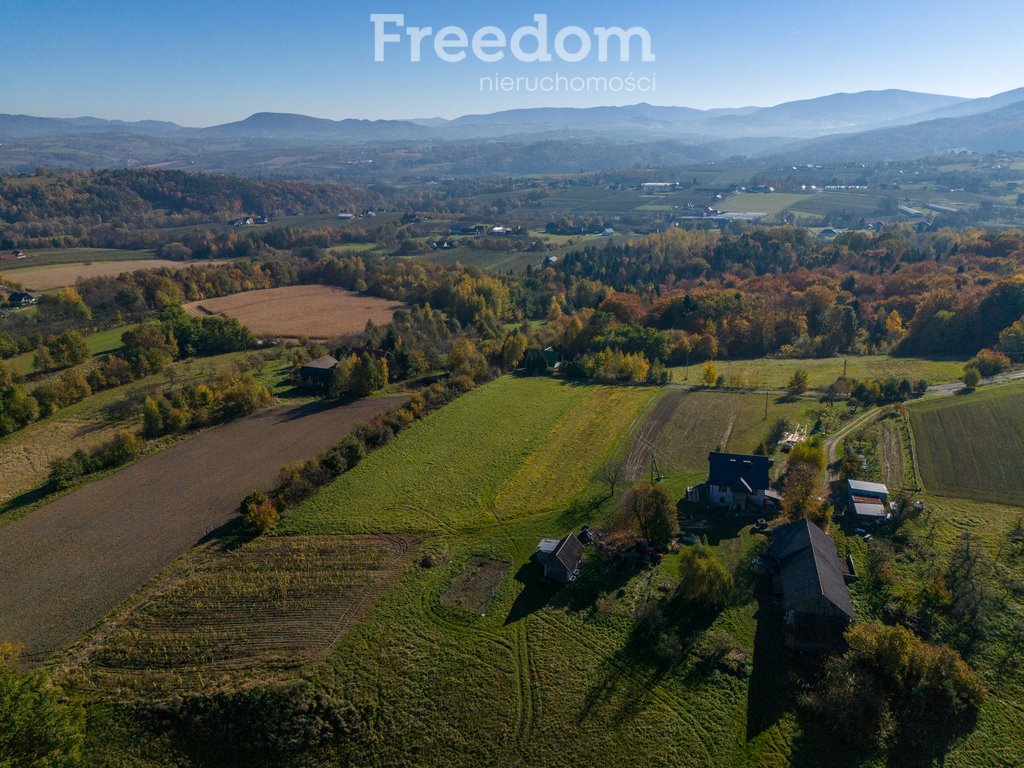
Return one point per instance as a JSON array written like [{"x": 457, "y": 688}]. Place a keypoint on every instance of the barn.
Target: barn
[
  {"x": 317, "y": 373},
  {"x": 808, "y": 578}
]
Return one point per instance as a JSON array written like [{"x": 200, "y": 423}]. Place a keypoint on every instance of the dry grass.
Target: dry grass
[
  {"x": 58, "y": 275},
  {"x": 26, "y": 455},
  {"x": 220, "y": 619},
  {"x": 316, "y": 311}
]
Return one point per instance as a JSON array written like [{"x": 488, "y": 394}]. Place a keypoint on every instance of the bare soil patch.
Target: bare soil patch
[
  {"x": 261, "y": 612},
  {"x": 316, "y": 311},
  {"x": 474, "y": 588},
  {"x": 66, "y": 565}
]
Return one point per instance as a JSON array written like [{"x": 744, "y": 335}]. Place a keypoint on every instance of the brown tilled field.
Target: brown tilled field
[
  {"x": 66, "y": 565},
  {"x": 263, "y": 611},
  {"x": 316, "y": 311}
]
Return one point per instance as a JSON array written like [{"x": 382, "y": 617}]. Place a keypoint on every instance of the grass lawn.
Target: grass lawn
[
  {"x": 775, "y": 372},
  {"x": 969, "y": 445},
  {"x": 99, "y": 343}
]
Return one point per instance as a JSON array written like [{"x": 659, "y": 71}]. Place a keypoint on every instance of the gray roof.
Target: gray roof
[
  {"x": 326, "y": 362},
  {"x": 869, "y": 508},
  {"x": 809, "y": 567},
  {"x": 862, "y": 486},
  {"x": 568, "y": 553}
]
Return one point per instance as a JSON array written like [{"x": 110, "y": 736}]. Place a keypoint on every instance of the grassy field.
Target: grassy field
[
  {"x": 315, "y": 311},
  {"x": 512, "y": 447},
  {"x": 685, "y": 426},
  {"x": 850, "y": 202},
  {"x": 45, "y": 256},
  {"x": 217, "y": 617},
  {"x": 775, "y": 373},
  {"x": 772, "y": 203},
  {"x": 533, "y": 671},
  {"x": 99, "y": 343},
  {"x": 969, "y": 445}
]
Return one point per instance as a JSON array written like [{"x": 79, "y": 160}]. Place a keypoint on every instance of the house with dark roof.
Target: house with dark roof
[
  {"x": 738, "y": 482},
  {"x": 21, "y": 299},
  {"x": 561, "y": 558},
  {"x": 808, "y": 577},
  {"x": 318, "y": 373}
]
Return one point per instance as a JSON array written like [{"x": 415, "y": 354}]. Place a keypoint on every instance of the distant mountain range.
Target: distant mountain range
[{"x": 870, "y": 125}]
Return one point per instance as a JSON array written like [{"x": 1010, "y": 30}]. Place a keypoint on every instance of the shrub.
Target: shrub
[
  {"x": 38, "y": 725},
  {"x": 258, "y": 512},
  {"x": 704, "y": 579}
]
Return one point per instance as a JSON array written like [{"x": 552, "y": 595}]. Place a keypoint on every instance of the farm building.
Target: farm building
[
  {"x": 808, "y": 577},
  {"x": 318, "y": 373},
  {"x": 561, "y": 558},
  {"x": 738, "y": 482},
  {"x": 868, "y": 502},
  {"x": 12, "y": 255}
]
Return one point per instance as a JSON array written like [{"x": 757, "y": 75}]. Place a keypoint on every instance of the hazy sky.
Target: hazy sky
[{"x": 201, "y": 63}]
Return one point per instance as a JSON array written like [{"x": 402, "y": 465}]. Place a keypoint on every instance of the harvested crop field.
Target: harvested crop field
[
  {"x": 316, "y": 311},
  {"x": 58, "y": 275},
  {"x": 263, "y": 611},
  {"x": 69, "y": 563}
]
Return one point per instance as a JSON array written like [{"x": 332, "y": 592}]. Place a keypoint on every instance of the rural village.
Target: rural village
[{"x": 544, "y": 429}]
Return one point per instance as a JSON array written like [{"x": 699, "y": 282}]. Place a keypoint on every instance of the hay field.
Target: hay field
[
  {"x": 315, "y": 311},
  {"x": 43, "y": 278}
]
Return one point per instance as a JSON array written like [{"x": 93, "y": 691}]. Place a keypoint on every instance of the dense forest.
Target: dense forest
[{"x": 115, "y": 208}]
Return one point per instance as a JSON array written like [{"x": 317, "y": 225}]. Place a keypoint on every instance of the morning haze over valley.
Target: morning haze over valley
[{"x": 512, "y": 385}]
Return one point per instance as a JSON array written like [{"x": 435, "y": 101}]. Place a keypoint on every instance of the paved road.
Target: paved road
[{"x": 66, "y": 565}]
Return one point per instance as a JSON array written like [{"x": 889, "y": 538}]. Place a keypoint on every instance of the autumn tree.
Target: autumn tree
[
  {"x": 651, "y": 510},
  {"x": 710, "y": 374}
]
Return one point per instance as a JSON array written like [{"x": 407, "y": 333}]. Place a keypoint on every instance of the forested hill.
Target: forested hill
[{"x": 157, "y": 198}]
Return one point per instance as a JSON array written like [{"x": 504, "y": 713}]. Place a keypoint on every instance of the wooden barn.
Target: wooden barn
[
  {"x": 808, "y": 577},
  {"x": 317, "y": 373}
]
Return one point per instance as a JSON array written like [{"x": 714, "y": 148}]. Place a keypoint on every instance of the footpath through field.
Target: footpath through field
[{"x": 64, "y": 566}]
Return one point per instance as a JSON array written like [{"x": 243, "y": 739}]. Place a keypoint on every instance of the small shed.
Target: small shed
[
  {"x": 318, "y": 373},
  {"x": 562, "y": 561}
]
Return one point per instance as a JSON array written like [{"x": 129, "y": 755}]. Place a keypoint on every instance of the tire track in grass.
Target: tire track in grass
[
  {"x": 524, "y": 694},
  {"x": 675, "y": 704}
]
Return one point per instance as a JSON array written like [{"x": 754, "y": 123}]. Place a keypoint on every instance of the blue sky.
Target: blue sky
[{"x": 201, "y": 63}]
